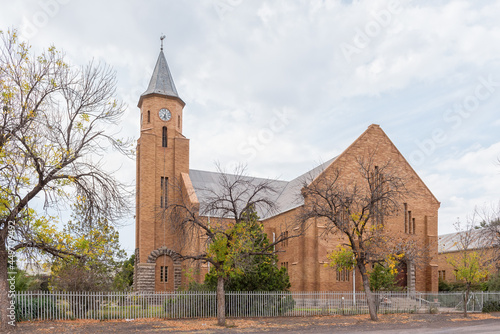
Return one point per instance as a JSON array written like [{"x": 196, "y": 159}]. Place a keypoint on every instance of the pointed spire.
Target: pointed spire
[{"x": 161, "y": 81}]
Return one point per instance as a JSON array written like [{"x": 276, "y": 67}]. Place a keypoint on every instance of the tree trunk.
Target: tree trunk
[
  {"x": 370, "y": 297},
  {"x": 7, "y": 310},
  {"x": 221, "y": 302},
  {"x": 466, "y": 298}
]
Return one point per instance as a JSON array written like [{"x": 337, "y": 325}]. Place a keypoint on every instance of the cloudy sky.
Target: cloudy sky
[{"x": 285, "y": 85}]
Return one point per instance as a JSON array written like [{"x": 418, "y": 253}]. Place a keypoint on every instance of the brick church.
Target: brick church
[{"x": 163, "y": 165}]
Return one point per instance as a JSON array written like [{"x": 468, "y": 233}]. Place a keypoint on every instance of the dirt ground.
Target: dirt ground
[{"x": 359, "y": 323}]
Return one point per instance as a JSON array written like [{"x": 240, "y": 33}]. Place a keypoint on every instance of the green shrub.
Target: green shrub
[
  {"x": 204, "y": 305},
  {"x": 493, "y": 284},
  {"x": 190, "y": 306},
  {"x": 39, "y": 307},
  {"x": 459, "y": 286},
  {"x": 443, "y": 285},
  {"x": 491, "y": 306},
  {"x": 382, "y": 279},
  {"x": 258, "y": 305}
]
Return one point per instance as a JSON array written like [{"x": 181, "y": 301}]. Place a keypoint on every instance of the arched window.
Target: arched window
[
  {"x": 164, "y": 137},
  {"x": 149, "y": 116}
]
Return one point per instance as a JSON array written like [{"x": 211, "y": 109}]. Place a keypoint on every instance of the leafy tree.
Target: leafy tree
[
  {"x": 21, "y": 278},
  {"x": 97, "y": 243},
  {"x": 354, "y": 202},
  {"x": 125, "y": 276},
  {"x": 55, "y": 124},
  {"x": 471, "y": 263},
  {"x": 383, "y": 278},
  {"x": 261, "y": 273},
  {"x": 469, "y": 268},
  {"x": 383, "y": 275},
  {"x": 225, "y": 218}
]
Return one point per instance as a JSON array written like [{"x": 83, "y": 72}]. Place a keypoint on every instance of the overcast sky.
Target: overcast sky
[{"x": 285, "y": 85}]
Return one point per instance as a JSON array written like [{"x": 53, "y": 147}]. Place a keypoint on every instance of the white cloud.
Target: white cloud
[
  {"x": 461, "y": 183},
  {"x": 235, "y": 68}
]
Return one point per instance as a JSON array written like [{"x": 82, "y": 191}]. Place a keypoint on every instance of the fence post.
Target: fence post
[{"x": 482, "y": 300}]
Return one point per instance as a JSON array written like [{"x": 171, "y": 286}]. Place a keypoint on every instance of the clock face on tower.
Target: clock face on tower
[{"x": 165, "y": 114}]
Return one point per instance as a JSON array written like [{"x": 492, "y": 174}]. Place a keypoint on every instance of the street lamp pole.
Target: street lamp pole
[{"x": 354, "y": 285}]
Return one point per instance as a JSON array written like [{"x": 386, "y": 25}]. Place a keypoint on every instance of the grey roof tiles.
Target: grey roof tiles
[
  {"x": 161, "y": 81},
  {"x": 287, "y": 195},
  {"x": 452, "y": 242}
]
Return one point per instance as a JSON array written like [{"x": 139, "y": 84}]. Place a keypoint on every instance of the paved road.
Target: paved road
[
  {"x": 486, "y": 327},
  {"x": 493, "y": 328},
  {"x": 388, "y": 324}
]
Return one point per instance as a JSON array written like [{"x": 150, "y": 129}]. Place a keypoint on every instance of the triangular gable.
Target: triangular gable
[
  {"x": 371, "y": 131},
  {"x": 288, "y": 192}
]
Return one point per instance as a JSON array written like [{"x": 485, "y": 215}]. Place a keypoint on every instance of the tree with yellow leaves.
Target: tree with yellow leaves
[
  {"x": 55, "y": 123},
  {"x": 97, "y": 243},
  {"x": 470, "y": 261},
  {"x": 227, "y": 219},
  {"x": 355, "y": 206}
]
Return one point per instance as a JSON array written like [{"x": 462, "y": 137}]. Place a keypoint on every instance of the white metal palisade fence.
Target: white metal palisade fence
[{"x": 202, "y": 304}]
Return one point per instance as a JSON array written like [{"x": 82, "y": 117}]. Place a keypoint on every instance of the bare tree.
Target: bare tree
[
  {"x": 54, "y": 131},
  {"x": 225, "y": 218},
  {"x": 489, "y": 217},
  {"x": 355, "y": 202}
]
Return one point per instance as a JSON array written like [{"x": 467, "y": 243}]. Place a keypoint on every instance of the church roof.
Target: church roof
[
  {"x": 286, "y": 197},
  {"x": 288, "y": 193},
  {"x": 161, "y": 81},
  {"x": 290, "y": 198}
]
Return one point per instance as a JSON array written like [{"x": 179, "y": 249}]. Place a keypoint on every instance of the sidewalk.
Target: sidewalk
[{"x": 325, "y": 324}]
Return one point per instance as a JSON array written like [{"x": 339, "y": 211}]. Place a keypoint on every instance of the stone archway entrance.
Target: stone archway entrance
[{"x": 146, "y": 271}]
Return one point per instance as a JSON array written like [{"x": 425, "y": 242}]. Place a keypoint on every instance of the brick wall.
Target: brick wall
[
  {"x": 307, "y": 255},
  {"x": 154, "y": 162}
]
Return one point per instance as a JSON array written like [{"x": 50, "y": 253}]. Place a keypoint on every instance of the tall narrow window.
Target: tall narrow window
[
  {"x": 406, "y": 217},
  {"x": 409, "y": 222},
  {"x": 164, "y": 137},
  {"x": 342, "y": 215},
  {"x": 149, "y": 116},
  {"x": 413, "y": 224},
  {"x": 164, "y": 192},
  {"x": 164, "y": 274},
  {"x": 178, "y": 121},
  {"x": 343, "y": 275},
  {"x": 378, "y": 196},
  {"x": 284, "y": 236}
]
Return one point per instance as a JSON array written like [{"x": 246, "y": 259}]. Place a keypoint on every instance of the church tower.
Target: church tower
[{"x": 162, "y": 155}]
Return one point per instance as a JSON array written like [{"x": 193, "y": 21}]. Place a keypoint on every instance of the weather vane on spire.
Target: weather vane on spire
[{"x": 162, "y": 37}]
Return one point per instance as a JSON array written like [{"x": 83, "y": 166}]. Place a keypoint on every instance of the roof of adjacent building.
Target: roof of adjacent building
[
  {"x": 161, "y": 81},
  {"x": 453, "y": 242},
  {"x": 287, "y": 194}
]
